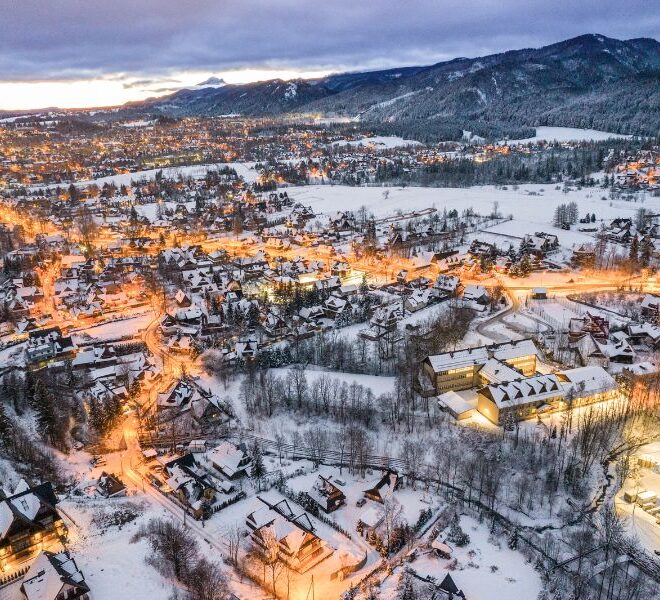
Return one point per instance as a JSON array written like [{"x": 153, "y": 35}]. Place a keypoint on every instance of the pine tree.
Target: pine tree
[
  {"x": 512, "y": 253},
  {"x": 456, "y": 534},
  {"x": 633, "y": 255},
  {"x": 513, "y": 540},
  {"x": 95, "y": 416},
  {"x": 29, "y": 387},
  {"x": 258, "y": 468},
  {"x": 525, "y": 266},
  {"x": 6, "y": 428},
  {"x": 364, "y": 286},
  {"x": 46, "y": 417},
  {"x": 407, "y": 592},
  {"x": 237, "y": 223}
]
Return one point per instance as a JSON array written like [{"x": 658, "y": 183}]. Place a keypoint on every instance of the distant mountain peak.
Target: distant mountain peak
[{"x": 211, "y": 82}]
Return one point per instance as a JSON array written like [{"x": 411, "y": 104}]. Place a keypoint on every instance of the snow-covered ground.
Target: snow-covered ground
[
  {"x": 117, "y": 329},
  {"x": 560, "y": 311},
  {"x": 245, "y": 170},
  {"x": 483, "y": 567},
  {"x": 113, "y": 567},
  {"x": 376, "y": 383},
  {"x": 638, "y": 522},
  {"x": 380, "y": 142},
  {"x": 532, "y": 205},
  {"x": 567, "y": 134}
]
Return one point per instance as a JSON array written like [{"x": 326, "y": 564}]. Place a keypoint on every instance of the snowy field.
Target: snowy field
[
  {"x": 532, "y": 205},
  {"x": 484, "y": 566},
  {"x": 117, "y": 329},
  {"x": 567, "y": 134},
  {"x": 517, "y": 228},
  {"x": 113, "y": 567},
  {"x": 380, "y": 141},
  {"x": 560, "y": 311},
  {"x": 376, "y": 383},
  {"x": 245, "y": 170}
]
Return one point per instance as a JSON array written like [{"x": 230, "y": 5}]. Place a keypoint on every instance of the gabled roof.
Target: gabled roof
[
  {"x": 458, "y": 359},
  {"x": 587, "y": 380},
  {"x": 227, "y": 457},
  {"x": 524, "y": 391},
  {"x": 25, "y": 505},
  {"x": 496, "y": 371},
  {"x": 49, "y": 573}
]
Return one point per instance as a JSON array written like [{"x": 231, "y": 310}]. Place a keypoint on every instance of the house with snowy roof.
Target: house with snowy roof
[
  {"x": 644, "y": 333},
  {"x": 529, "y": 397},
  {"x": 191, "y": 484},
  {"x": 476, "y": 293},
  {"x": 447, "y": 284},
  {"x": 28, "y": 521},
  {"x": 650, "y": 307},
  {"x": 292, "y": 534},
  {"x": 230, "y": 460},
  {"x": 110, "y": 486},
  {"x": 326, "y": 494},
  {"x": 459, "y": 370},
  {"x": 46, "y": 344},
  {"x": 186, "y": 396},
  {"x": 54, "y": 577},
  {"x": 502, "y": 382},
  {"x": 521, "y": 398}
]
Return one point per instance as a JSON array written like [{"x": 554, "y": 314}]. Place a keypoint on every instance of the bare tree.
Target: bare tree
[
  {"x": 392, "y": 512},
  {"x": 206, "y": 581},
  {"x": 234, "y": 538}
]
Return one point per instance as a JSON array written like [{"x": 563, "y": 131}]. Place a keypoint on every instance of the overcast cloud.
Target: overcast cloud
[{"x": 60, "y": 39}]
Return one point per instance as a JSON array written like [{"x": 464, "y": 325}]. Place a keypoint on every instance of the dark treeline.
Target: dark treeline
[
  {"x": 553, "y": 164},
  {"x": 431, "y": 131}
]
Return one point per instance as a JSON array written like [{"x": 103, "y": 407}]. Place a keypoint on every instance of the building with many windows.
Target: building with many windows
[
  {"x": 500, "y": 382},
  {"x": 465, "y": 369},
  {"x": 29, "y": 522}
]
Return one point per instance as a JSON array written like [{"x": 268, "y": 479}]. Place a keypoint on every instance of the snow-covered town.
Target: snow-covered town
[{"x": 291, "y": 356}]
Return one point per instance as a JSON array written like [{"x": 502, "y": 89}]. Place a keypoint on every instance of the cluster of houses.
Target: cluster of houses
[
  {"x": 47, "y": 344},
  {"x": 593, "y": 343},
  {"x": 94, "y": 287},
  {"x": 201, "y": 481},
  {"x": 18, "y": 300},
  {"x": 291, "y": 532},
  {"x": 501, "y": 382},
  {"x": 112, "y": 371},
  {"x": 103, "y": 371},
  {"x": 296, "y": 535},
  {"x": 204, "y": 481},
  {"x": 639, "y": 172},
  {"x": 193, "y": 408}
]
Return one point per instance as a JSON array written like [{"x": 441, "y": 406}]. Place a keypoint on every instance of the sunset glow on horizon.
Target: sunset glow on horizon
[{"x": 117, "y": 90}]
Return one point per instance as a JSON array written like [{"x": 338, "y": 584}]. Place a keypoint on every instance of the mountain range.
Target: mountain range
[{"x": 590, "y": 81}]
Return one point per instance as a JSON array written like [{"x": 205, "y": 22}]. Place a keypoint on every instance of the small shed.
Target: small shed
[
  {"x": 441, "y": 549},
  {"x": 540, "y": 293}
]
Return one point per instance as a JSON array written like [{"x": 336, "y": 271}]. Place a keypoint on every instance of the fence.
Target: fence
[
  {"x": 12, "y": 577},
  {"x": 335, "y": 458},
  {"x": 232, "y": 500}
]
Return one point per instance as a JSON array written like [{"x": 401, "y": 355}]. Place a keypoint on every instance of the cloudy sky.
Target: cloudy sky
[{"x": 74, "y": 53}]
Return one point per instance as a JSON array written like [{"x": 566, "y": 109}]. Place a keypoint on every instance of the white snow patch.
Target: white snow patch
[{"x": 568, "y": 134}]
